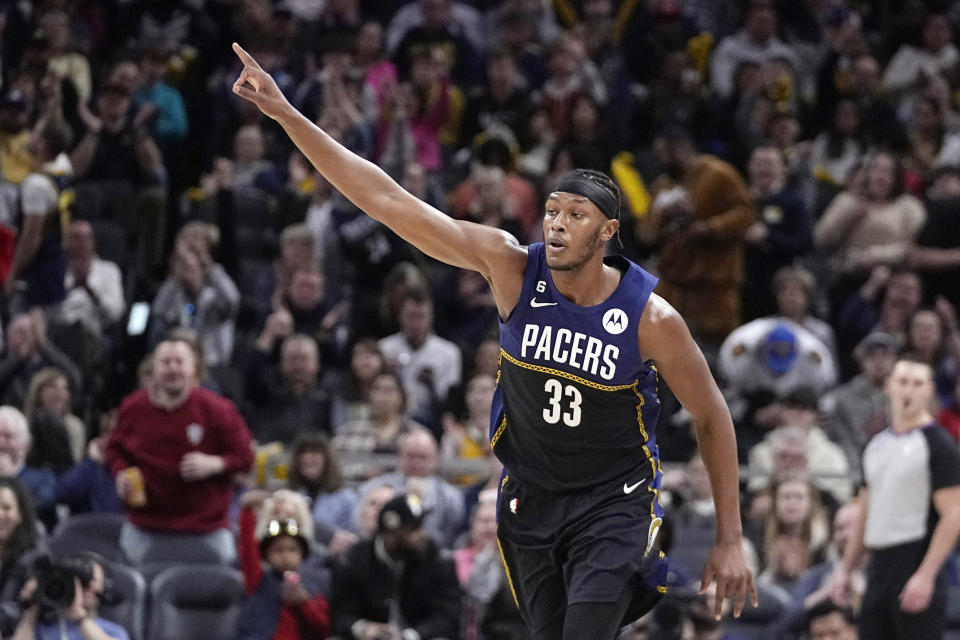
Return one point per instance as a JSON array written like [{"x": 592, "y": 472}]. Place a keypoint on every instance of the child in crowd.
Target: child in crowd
[{"x": 284, "y": 599}]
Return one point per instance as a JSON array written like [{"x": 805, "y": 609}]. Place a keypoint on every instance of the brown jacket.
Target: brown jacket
[
  {"x": 721, "y": 200},
  {"x": 700, "y": 273}
]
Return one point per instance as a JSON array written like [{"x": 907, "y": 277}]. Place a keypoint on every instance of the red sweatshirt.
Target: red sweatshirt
[
  {"x": 314, "y": 613},
  {"x": 155, "y": 440}
]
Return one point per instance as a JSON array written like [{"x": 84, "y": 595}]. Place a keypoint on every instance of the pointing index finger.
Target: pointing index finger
[{"x": 245, "y": 57}]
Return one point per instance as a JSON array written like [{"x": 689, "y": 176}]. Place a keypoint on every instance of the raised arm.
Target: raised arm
[
  {"x": 496, "y": 254},
  {"x": 664, "y": 337}
]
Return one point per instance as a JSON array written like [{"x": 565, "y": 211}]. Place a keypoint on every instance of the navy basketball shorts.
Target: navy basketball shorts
[{"x": 581, "y": 546}]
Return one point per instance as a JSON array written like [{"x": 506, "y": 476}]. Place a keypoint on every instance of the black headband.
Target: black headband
[{"x": 605, "y": 201}]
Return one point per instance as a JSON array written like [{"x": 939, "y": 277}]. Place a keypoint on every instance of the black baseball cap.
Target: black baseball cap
[{"x": 401, "y": 512}]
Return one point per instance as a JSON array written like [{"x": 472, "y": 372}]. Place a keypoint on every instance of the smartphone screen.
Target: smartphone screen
[{"x": 139, "y": 314}]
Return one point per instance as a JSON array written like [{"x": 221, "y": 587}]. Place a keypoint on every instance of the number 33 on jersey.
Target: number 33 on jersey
[{"x": 575, "y": 403}]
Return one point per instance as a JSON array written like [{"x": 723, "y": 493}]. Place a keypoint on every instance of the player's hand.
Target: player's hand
[
  {"x": 917, "y": 593},
  {"x": 262, "y": 90},
  {"x": 728, "y": 567}
]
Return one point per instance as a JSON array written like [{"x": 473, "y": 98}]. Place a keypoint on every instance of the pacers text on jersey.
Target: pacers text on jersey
[{"x": 563, "y": 346}]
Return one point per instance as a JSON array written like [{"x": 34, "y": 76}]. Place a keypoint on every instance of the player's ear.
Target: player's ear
[{"x": 610, "y": 228}]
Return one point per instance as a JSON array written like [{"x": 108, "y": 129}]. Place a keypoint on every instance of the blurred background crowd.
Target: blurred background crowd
[{"x": 790, "y": 170}]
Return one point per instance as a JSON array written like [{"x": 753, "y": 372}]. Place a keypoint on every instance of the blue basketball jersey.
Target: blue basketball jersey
[{"x": 576, "y": 404}]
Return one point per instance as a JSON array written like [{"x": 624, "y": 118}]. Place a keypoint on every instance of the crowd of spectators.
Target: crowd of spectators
[{"x": 193, "y": 318}]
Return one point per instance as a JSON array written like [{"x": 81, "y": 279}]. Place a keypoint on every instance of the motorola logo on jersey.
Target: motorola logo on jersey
[
  {"x": 563, "y": 346},
  {"x": 615, "y": 321}
]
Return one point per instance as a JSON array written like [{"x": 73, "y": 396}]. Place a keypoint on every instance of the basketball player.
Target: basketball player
[{"x": 576, "y": 405}]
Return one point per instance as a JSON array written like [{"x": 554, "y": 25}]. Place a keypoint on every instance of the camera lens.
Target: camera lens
[{"x": 56, "y": 588}]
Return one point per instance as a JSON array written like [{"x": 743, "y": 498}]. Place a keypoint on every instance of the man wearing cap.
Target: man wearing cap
[
  {"x": 584, "y": 343},
  {"x": 397, "y": 585},
  {"x": 418, "y": 462},
  {"x": 857, "y": 410}
]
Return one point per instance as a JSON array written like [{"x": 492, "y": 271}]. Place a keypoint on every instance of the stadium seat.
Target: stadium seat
[
  {"x": 195, "y": 602},
  {"x": 127, "y": 599},
  {"x": 97, "y": 532},
  {"x": 151, "y": 570}
]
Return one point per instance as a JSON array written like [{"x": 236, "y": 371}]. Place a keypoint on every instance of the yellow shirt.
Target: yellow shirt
[{"x": 16, "y": 161}]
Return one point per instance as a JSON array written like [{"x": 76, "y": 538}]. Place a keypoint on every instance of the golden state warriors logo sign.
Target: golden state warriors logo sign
[{"x": 615, "y": 321}]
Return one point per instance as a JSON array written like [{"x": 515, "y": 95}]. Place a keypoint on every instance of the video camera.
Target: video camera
[{"x": 57, "y": 583}]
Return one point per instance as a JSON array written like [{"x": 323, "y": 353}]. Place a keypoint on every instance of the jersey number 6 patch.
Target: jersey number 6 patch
[{"x": 570, "y": 398}]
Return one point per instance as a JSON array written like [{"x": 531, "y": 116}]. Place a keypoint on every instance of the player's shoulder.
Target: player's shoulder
[
  {"x": 659, "y": 312},
  {"x": 660, "y": 324},
  {"x": 509, "y": 249}
]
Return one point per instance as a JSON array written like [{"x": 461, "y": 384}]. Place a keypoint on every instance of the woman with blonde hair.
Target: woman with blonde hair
[
  {"x": 47, "y": 408},
  {"x": 796, "y": 531}
]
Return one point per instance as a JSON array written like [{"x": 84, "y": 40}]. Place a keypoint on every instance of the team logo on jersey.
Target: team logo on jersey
[
  {"x": 535, "y": 304},
  {"x": 195, "y": 433},
  {"x": 615, "y": 321},
  {"x": 513, "y": 505}
]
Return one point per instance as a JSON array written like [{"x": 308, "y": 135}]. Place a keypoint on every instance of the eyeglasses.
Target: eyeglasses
[{"x": 288, "y": 526}]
